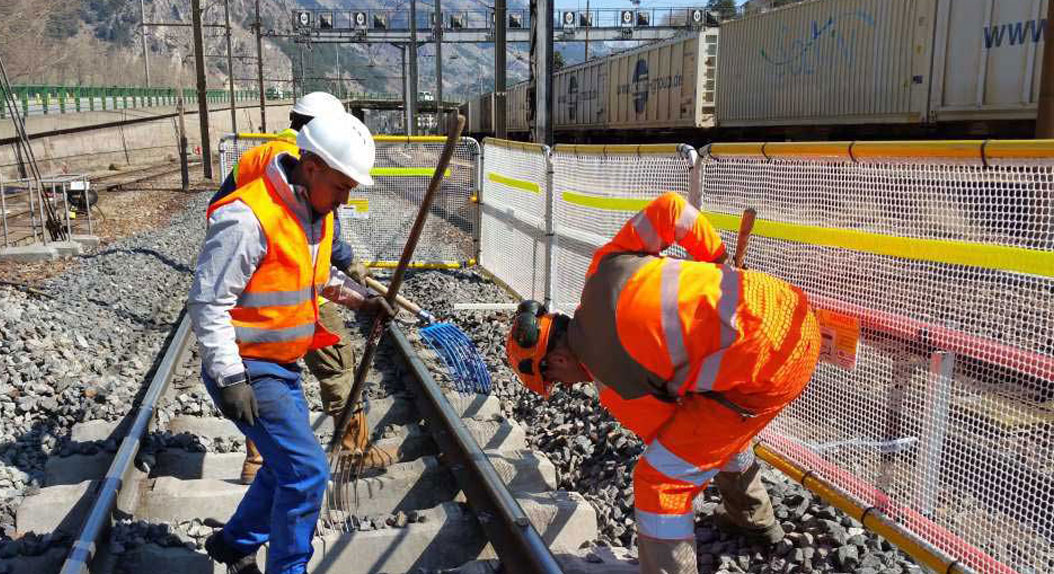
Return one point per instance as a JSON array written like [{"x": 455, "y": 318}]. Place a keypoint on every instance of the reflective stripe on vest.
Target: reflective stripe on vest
[
  {"x": 726, "y": 311},
  {"x": 276, "y": 316},
  {"x": 675, "y": 467}
]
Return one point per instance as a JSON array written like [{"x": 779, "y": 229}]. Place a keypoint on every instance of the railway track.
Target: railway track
[
  {"x": 145, "y": 492},
  {"x": 119, "y": 181}
]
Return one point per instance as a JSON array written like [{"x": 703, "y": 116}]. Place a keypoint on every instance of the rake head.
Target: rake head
[{"x": 463, "y": 361}]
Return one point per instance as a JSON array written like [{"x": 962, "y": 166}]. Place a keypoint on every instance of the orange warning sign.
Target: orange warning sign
[{"x": 839, "y": 338}]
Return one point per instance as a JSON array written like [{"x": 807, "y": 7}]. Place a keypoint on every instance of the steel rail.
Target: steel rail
[
  {"x": 99, "y": 516},
  {"x": 518, "y": 544}
]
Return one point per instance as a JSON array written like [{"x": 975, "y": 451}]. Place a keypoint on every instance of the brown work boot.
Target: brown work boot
[
  {"x": 252, "y": 464},
  {"x": 356, "y": 441},
  {"x": 745, "y": 508}
]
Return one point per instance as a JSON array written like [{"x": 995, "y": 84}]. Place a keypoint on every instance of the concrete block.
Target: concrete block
[
  {"x": 187, "y": 465},
  {"x": 524, "y": 471},
  {"x": 497, "y": 436},
  {"x": 166, "y": 560},
  {"x": 95, "y": 430},
  {"x": 413, "y": 485},
  {"x": 76, "y": 468},
  {"x": 55, "y": 508},
  {"x": 474, "y": 406},
  {"x": 86, "y": 241},
  {"x": 66, "y": 248},
  {"x": 29, "y": 253},
  {"x": 172, "y": 500},
  {"x": 564, "y": 519},
  {"x": 449, "y": 537}
]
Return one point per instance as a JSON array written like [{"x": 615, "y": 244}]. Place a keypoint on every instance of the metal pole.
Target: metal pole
[
  {"x": 3, "y": 206},
  {"x": 406, "y": 92},
  {"x": 500, "y": 21},
  {"x": 1045, "y": 111},
  {"x": 184, "y": 163},
  {"x": 412, "y": 129},
  {"x": 589, "y": 18},
  {"x": 543, "y": 54},
  {"x": 203, "y": 103},
  {"x": 142, "y": 33},
  {"x": 259, "y": 69},
  {"x": 230, "y": 67},
  {"x": 303, "y": 87},
  {"x": 439, "y": 67}
]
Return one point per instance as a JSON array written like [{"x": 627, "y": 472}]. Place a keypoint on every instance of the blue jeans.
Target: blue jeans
[{"x": 283, "y": 502}]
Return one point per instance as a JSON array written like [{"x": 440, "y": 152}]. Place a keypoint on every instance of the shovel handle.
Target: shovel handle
[{"x": 402, "y": 301}]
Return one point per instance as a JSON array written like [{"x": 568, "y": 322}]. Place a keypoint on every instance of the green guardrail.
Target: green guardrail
[{"x": 52, "y": 99}]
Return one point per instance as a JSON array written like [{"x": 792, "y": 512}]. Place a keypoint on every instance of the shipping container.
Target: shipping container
[
  {"x": 987, "y": 60},
  {"x": 516, "y": 108},
  {"x": 578, "y": 96},
  {"x": 828, "y": 62},
  {"x": 659, "y": 85}
]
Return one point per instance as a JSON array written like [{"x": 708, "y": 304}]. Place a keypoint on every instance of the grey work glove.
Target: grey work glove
[
  {"x": 238, "y": 403},
  {"x": 377, "y": 304},
  {"x": 357, "y": 271}
]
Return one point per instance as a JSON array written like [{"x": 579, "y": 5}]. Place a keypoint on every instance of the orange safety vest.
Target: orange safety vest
[
  {"x": 276, "y": 317},
  {"x": 253, "y": 163},
  {"x": 656, "y": 326}
]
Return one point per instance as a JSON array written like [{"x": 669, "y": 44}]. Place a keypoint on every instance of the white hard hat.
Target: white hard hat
[
  {"x": 318, "y": 104},
  {"x": 343, "y": 142}
]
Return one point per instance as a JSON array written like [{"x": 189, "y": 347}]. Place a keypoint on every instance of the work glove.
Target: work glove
[
  {"x": 238, "y": 403},
  {"x": 357, "y": 271},
  {"x": 378, "y": 304}
]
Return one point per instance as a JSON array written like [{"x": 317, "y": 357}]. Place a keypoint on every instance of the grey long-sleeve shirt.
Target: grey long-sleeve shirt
[{"x": 233, "y": 248}]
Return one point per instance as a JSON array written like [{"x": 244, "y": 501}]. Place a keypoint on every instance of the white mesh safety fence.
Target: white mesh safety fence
[
  {"x": 514, "y": 210},
  {"x": 596, "y": 189},
  {"x": 377, "y": 219},
  {"x": 946, "y": 420}
]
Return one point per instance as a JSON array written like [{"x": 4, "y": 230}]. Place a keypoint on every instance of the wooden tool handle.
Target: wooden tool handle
[
  {"x": 746, "y": 226},
  {"x": 383, "y": 290}
]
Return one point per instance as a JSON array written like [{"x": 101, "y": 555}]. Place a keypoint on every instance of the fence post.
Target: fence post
[
  {"x": 933, "y": 430},
  {"x": 550, "y": 228},
  {"x": 45, "y": 102},
  {"x": 695, "y": 173}
]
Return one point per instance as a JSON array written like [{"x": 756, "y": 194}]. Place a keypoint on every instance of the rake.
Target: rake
[{"x": 463, "y": 361}]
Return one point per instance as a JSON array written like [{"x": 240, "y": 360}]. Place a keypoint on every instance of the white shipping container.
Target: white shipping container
[
  {"x": 830, "y": 61},
  {"x": 516, "y": 108},
  {"x": 987, "y": 59},
  {"x": 657, "y": 86},
  {"x": 579, "y": 94}
]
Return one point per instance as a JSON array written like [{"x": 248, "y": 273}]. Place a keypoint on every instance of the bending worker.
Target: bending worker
[
  {"x": 254, "y": 308},
  {"x": 695, "y": 357},
  {"x": 334, "y": 365}
]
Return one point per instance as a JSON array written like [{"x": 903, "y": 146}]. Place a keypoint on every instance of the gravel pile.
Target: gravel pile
[
  {"x": 595, "y": 456},
  {"x": 81, "y": 351}
]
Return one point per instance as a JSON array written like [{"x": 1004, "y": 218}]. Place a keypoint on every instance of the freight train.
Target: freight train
[{"x": 823, "y": 69}]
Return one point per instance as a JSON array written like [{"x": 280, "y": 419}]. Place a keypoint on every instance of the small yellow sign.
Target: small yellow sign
[
  {"x": 839, "y": 338},
  {"x": 357, "y": 208}
]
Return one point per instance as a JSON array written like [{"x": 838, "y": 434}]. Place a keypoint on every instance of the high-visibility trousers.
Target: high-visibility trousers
[{"x": 688, "y": 443}]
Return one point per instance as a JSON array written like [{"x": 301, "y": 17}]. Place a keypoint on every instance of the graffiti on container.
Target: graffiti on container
[
  {"x": 574, "y": 95},
  {"x": 826, "y": 44},
  {"x": 1014, "y": 34},
  {"x": 643, "y": 84}
]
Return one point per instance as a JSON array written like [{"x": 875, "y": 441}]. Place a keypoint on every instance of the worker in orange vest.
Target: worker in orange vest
[
  {"x": 254, "y": 308},
  {"x": 694, "y": 356},
  {"x": 334, "y": 365}
]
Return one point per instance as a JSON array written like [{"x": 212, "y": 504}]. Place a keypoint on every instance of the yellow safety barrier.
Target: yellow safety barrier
[{"x": 513, "y": 182}]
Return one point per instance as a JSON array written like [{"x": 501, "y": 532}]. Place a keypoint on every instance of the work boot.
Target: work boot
[
  {"x": 745, "y": 508},
  {"x": 236, "y": 562},
  {"x": 356, "y": 441},
  {"x": 252, "y": 464}
]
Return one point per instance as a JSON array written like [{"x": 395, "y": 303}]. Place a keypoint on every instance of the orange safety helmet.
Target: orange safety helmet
[{"x": 530, "y": 340}]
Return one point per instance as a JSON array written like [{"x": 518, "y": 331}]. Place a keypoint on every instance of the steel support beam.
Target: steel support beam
[
  {"x": 543, "y": 68},
  {"x": 500, "y": 49},
  {"x": 438, "y": 32},
  {"x": 411, "y": 128},
  {"x": 259, "y": 68},
  {"x": 230, "y": 66}
]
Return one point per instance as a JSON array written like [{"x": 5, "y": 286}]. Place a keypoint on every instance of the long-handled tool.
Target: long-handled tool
[
  {"x": 746, "y": 227},
  {"x": 343, "y": 466},
  {"x": 463, "y": 361}
]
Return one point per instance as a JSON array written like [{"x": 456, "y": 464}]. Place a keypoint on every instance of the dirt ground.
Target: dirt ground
[{"x": 117, "y": 215}]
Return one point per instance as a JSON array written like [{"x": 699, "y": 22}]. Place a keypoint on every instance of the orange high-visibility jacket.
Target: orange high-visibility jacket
[
  {"x": 276, "y": 317},
  {"x": 665, "y": 327},
  {"x": 252, "y": 164}
]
